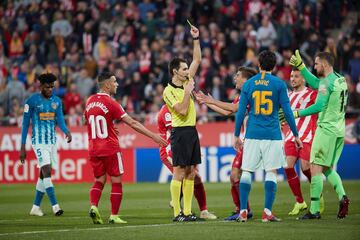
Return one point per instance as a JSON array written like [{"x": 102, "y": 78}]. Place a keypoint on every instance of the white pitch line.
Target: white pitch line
[
  {"x": 131, "y": 226},
  {"x": 99, "y": 228},
  {"x": 42, "y": 218},
  {"x": 34, "y": 218}
]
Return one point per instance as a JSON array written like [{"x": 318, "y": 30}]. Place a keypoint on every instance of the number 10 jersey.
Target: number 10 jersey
[{"x": 100, "y": 112}]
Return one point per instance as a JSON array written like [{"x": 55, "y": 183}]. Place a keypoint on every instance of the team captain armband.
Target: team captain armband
[{"x": 296, "y": 114}]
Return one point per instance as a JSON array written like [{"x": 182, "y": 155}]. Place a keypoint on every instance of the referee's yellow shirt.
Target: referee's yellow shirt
[{"x": 172, "y": 95}]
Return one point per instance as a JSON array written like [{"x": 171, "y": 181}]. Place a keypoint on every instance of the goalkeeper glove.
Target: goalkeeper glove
[{"x": 296, "y": 61}]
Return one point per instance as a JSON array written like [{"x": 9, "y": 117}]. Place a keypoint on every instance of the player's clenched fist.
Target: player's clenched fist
[{"x": 194, "y": 32}]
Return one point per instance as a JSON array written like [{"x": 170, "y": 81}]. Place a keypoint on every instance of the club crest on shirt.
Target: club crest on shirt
[{"x": 54, "y": 105}]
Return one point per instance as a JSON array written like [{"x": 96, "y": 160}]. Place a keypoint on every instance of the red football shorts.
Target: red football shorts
[
  {"x": 111, "y": 165},
  {"x": 237, "y": 162},
  {"x": 302, "y": 153}
]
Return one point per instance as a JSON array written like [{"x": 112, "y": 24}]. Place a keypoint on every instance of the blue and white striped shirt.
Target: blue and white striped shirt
[{"x": 44, "y": 114}]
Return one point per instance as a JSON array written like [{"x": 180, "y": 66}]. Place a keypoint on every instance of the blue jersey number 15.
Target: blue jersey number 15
[{"x": 262, "y": 98}]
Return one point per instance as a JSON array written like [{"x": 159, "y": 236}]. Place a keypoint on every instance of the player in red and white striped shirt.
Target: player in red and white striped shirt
[
  {"x": 302, "y": 97},
  {"x": 164, "y": 126}
]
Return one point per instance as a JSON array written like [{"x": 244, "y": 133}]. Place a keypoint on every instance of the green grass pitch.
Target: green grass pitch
[{"x": 146, "y": 208}]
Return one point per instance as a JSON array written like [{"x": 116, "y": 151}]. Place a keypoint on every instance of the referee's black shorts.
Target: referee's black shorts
[{"x": 185, "y": 146}]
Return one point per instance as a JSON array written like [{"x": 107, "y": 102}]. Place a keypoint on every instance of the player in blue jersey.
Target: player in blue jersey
[
  {"x": 45, "y": 111},
  {"x": 263, "y": 144}
]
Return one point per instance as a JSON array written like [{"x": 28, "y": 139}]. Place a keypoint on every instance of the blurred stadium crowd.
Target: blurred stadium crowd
[{"x": 136, "y": 39}]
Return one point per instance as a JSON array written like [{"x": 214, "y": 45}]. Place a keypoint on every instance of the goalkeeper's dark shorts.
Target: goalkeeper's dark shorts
[{"x": 185, "y": 146}]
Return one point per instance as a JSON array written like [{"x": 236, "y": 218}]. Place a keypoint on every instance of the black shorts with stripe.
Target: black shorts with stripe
[{"x": 185, "y": 146}]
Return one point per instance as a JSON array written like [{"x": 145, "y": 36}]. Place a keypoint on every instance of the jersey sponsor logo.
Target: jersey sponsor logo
[
  {"x": 26, "y": 108},
  {"x": 54, "y": 105},
  {"x": 47, "y": 115}
]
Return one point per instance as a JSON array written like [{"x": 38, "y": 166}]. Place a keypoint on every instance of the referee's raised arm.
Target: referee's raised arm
[
  {"x": 196, "y": 52},
  {"x": 184, "y": 138}
]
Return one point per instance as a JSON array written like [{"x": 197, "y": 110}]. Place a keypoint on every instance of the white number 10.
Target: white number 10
[{"x": 98, "y": 126}]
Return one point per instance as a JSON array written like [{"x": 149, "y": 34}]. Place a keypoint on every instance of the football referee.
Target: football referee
[{"x": 184, "y": 138}]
